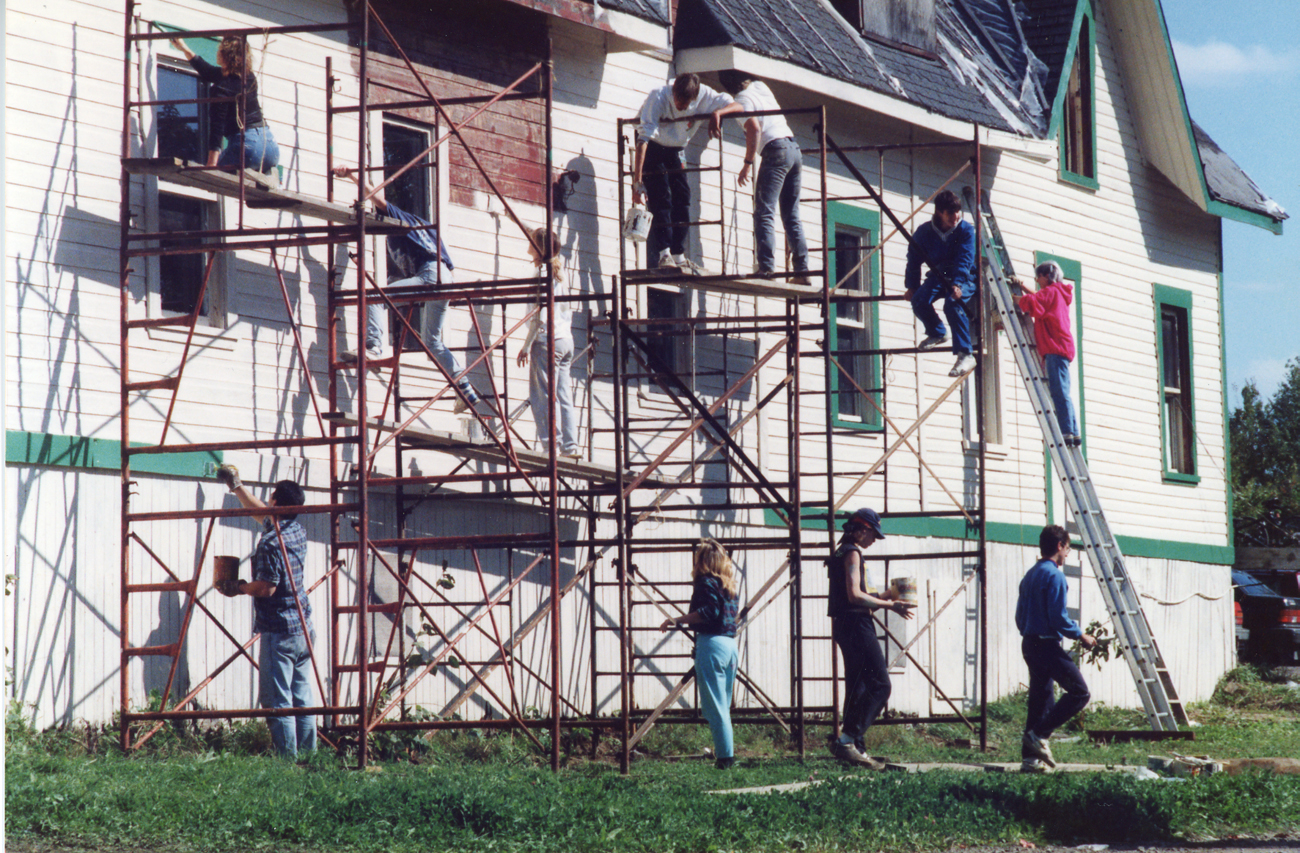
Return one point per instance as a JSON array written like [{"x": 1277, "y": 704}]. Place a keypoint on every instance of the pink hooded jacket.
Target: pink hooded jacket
[{"x": 1050, "y": 308}]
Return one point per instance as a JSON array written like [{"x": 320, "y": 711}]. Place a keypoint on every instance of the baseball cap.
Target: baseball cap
[{"x": 865, "y": 517}]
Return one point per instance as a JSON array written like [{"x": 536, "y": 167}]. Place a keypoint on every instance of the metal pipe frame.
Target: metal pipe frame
[{"x": 352, "y": 692}]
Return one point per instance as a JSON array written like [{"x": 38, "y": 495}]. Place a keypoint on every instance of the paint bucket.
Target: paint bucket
[
  {"x": 224, "y": 569},
  {"x": 904, "y": 589},
  {"x": 636, "y": 226}
]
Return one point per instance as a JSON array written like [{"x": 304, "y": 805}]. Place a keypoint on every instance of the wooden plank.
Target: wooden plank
[
  {"x": 719, "y": 284},
  {"x": 529, "y": 460},
  {"x": 258, "y": 192}
]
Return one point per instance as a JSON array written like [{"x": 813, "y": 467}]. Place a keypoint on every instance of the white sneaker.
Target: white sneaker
[
  {"x": 666, "y": 260},
  {"x": 689, "y": 267},
  {"x": 965, "y": 364},
  {"x": 1033, "y": 745},
  {"x": 1033, "y": 765}
]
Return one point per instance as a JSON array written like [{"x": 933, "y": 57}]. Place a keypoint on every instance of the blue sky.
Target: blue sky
[{"x": 1240, "y": 66}]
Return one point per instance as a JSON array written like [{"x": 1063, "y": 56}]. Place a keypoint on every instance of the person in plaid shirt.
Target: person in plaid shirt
[{"x": 282, "y": 613}]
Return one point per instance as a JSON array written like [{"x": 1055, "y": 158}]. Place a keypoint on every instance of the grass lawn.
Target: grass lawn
[{"x": 476, "y": 791}]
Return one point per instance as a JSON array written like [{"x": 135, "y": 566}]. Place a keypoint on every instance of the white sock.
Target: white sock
[{"x": 681, "y": 259}]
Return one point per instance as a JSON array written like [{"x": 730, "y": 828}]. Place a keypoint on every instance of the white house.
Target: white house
[{"x": 1084, "y": 146}]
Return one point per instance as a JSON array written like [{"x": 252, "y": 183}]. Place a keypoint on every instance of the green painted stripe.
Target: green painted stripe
[
  {"x": 204, "y": 47},
  {"x": 1007, "y": 533},
  {"x": 71, "y": 451}
]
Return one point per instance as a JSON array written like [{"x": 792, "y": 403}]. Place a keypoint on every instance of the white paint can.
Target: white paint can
[{"x": 636, "y": 226}]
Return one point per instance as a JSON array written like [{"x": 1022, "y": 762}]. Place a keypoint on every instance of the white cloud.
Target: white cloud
[
  {"x": 1267, "y": 374},
  {"x": 1218, "y": 63}
]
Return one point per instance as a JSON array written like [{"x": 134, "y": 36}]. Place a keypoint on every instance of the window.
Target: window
[
  {"x": 1177, "y": 410},
  {"x": 664, "y": 341},
  {"x": 412, "y": 192},
  {"x": 1078, "y": 134},
  {"x": 854, "y": 324},
  {"x": 181, "y": 129},
  {"x": 180, "y": 277}
]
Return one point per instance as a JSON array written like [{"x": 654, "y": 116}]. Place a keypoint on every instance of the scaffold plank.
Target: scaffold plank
[
  {"x": 486, "y": 451},
  {"x": 260, "y": 191},
  {"x": 743, "y": 286}
]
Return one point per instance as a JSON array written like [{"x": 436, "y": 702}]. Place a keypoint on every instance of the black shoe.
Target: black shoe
[{"x": 725, "y": 763}]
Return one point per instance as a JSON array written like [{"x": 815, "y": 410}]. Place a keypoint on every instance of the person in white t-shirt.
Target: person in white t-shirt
[
  {"x": 780, "y": 174},
  {"x": 658, "y": 173}
]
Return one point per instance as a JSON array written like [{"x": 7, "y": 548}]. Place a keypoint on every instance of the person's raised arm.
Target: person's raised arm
[
  {"x": 352, "y": 174},
  {"x": 183, "y": 48}
]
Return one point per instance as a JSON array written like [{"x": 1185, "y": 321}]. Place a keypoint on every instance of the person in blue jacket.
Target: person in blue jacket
[
  {"x": 946, "y": 244},
  {"x": 1043, "y": 621},
  {"x": 419, "y": 258}
]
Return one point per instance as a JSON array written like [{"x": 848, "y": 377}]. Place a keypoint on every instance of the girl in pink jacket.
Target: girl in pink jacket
[{"x": 1049, "y": 305}]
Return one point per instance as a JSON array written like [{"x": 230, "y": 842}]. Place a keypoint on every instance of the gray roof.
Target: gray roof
[
  {"x": 810, "y": 34},
  {"x": 999, "y": 66},
  {"x": 1227, "y": 181},
  {"x": 651, "y": 10}
]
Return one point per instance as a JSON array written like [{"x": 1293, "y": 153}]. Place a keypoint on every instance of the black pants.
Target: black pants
[
  {"x": 866, "y": 675},
  {"x": 668, "y": 197},
  {"x": 1049, "y": 664}
]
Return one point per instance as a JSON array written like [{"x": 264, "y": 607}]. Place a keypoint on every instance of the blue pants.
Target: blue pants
[
  {"x": 715, "y": 677},
  {"x": 433, "y": 316},
  {"x": 539, "y": 393},
  {"x": 284, "y": 676},
  {"x": 866, "y": 675},
  {"x": 667, "y": 197},
  {"x": 1058, "y": 382},
  {"x": 930, "y": 291},
  {"x": 261, "y": 154},
  {"x": 780, "y": 176},
  {"x": 1049, "y": 664}
]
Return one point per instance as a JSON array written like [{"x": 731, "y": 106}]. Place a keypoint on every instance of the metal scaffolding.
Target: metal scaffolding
[{"x": 366, "y": 685}]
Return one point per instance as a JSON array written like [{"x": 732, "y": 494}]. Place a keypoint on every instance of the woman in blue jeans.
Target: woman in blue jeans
[
  {"x": 715, "y": 602},
  {"x": 238, "y": 117}
]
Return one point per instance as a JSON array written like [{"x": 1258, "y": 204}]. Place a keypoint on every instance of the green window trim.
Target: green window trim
[
  {"x": 204, "y": 46},
  {"x": 1164, "y": 295},
  {"x": 868, "y": 222},
  {"x": 1083, "y": 34},
  {"x": 72, "y": 451},
  {"x": 1026, "y": 535},
  {"x": 1073, "y": 271}
]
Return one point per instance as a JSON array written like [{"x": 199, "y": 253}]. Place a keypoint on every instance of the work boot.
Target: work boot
[
  {"x": 932, "y": 342},
  {"x": 848, "y": 754}
]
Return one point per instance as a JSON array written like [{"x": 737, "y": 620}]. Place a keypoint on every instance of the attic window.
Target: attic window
[
  {"x": 906, "y": 25},
  {"x": 1078, "y": 127}
]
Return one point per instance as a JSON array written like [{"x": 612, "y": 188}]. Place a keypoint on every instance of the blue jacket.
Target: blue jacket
[
  {"x": 1040, "y": 611},
  {"x": 417, "y": 247},
  {"x": 950, "y": 256}
]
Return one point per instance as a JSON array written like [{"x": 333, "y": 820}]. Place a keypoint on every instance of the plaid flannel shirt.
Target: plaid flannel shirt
[{"x": 278, "y": 614}]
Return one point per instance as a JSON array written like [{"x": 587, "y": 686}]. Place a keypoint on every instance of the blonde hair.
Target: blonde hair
[
  {"x": 234, "y": 54},
  {"x": 711, "y": 560},
  {"x": 539, "y": 236}
]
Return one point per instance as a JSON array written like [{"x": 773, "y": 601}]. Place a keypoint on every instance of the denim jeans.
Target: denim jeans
[
  {"x": 866, "y": 675},
  {"x": 780, "y": 176},
  {"x": 1058, "y": 382},
  {"x": 284, "y": 681},
  {"x": 715, "y": 677},
  {"x": 1050, "y": 664},
  {"x": 539, "y": 393},
  {"x": 260, "y": 151},
  {"x": 433, "y": 316},
  {"x": 930, "y": 291},
  {"x": 667, "y": 197}
]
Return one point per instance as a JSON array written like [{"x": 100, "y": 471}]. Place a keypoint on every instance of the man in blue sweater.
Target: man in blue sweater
[
  {"x": 1042, "y": 619},
  {"x": 947, "y": 245}
]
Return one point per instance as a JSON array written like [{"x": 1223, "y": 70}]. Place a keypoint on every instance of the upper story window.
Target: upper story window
[
  {"x": 1078, "y": 134},
  {"x": 855, "y": 271},
  {"x": 180, "y": 128},
  {"x": 1177, "y": 409},
  {"x": 412, "y": 192}
]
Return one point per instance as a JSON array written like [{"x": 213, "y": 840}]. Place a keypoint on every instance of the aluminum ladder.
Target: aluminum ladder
[{"x": 1164, "y": 710}]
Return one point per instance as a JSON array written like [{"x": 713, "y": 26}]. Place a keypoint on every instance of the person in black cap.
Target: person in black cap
[{"x": 852, "y": 600}]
